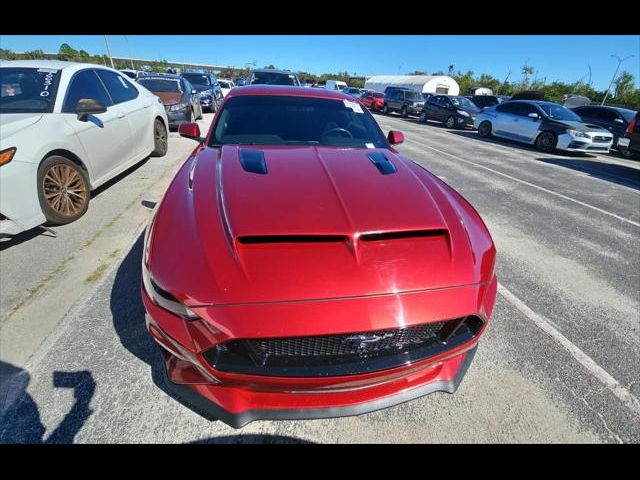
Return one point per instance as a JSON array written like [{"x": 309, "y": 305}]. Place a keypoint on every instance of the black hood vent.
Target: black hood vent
[
  {"x": 253, "y": 161},
  {"x": 376, "y": 237},
  {"x": 253, "y": 239},
  {"x": 382, "y": 163}
]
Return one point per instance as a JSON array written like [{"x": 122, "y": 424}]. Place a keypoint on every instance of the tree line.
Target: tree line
[{"x": 623, "y": 92}]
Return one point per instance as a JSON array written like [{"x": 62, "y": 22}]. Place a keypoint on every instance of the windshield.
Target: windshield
[
  {"x": 28, "y": 90},
  {"x": 627, "y": 114},
  {"x": 274, "y": 78},
  {"x": 224, "y": 84},
  {"x": 558, "y": 112},
  {"x": 198, "y": 79},
  {"x": 414, "y": 96},
  {"x": 289, "y": 120},
  {"x": 462, "y": 102},
  {"x": 378, "y": 95},
  {"x": 161, "y": 84}
]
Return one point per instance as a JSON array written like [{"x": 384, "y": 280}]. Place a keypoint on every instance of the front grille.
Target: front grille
[
  {"x": 344, "y": 354},
  {"x": 601, "y": 139}
]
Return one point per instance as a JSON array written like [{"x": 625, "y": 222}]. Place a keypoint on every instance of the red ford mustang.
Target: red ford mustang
[
  {"x": 299, "y": 267},
  {"x": 373, "y": 100}
]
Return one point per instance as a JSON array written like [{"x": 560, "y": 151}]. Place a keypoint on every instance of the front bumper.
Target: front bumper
[
  {"x": 572, "y": 143},
  {"x": 465, "y": 122},
  {"x": 19, "y": 204},
  {"x": 238, "y": 399},
  {"x": 206, "y": 101}
]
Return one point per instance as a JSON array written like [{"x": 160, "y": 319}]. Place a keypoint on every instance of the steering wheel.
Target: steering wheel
[{"x": 338, "y": 129}]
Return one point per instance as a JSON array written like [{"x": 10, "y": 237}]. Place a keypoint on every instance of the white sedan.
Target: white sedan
[
  {"x": 225, "y": 86},
  {"x": 65, "y": 129}
]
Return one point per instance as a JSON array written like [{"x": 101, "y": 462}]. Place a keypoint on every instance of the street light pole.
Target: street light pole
[
  {"x": 108, "y": 52},
  {"x": 129, "y": 48},
  {"x": 614, "y": 75}
]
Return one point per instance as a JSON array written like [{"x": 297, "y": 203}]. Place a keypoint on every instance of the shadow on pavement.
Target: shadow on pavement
[
  {"x": 128, "y": 312},
  {"x": 13, "y": 240},
  {"x": 612, "y": 172},
  {"x": 20, "y": 422},
  {"x": 253, "y": 438}
]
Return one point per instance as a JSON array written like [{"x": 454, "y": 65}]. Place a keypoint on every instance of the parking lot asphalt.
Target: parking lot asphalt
[{"x": 558, "y": 363}]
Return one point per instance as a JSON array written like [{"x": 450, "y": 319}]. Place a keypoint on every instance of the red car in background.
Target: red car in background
[
  {"x": 373, "y": 100},
  {"x": 298, "y": 266}
]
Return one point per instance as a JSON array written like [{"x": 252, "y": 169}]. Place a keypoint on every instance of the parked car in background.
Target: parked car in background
[
  {"x": 267, "y": 76},
  {"x": 546, "y": 125},
  {"x": 452, "y": 110},
  {"x": 369, "y": 303},
  {"x": 335, "y": 85},
  {"x": 354, "y": 92},
  {"x": 67, "y": 128},
  {"x": 426, "y": 95},
  {"x": 614, "y": 119},
  {"x": 208, "y": 88},
  {"x": 631, "y": 139},
  {"x": 225, "y": 86},
  {"x": 403, "y": 100},
  {"x": 132, "y": 74},
  {"x": 180, "y": 99},
  {"x": 373, "y": 100},
  {"x": 240, "y": 81},
  {"x": 484, "y": 101}
]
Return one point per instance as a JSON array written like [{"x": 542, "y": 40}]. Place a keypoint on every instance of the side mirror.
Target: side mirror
[
  {"x": 395, "y": 137},
  {"x": 193, "y": 91},
  {"x": 533, "y": 115},
  {"x": 190, "y": 130},
  {"x": 88, "y": 106}
]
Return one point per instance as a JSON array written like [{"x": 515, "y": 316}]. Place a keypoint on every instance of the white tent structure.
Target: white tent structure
[{"x": 420, "y": 83}]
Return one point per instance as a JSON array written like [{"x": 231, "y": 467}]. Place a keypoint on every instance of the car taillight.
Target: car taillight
[{"x": 632, "y": 125}]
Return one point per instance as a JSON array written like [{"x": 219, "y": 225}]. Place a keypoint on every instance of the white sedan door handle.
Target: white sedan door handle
[{"x": 120, "y": 114}]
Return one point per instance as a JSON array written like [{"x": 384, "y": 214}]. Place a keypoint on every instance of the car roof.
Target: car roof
[
  {"x": 271, "y": 70},
  {"x": 286, "y": 90},
  {"x": 161, "y": 76},
  {"x": 52, "y": 64},
  {"x": 608, "y": 107}
]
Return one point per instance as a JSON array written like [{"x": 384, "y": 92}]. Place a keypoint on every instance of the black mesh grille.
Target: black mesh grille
[
  {"x": 344, "y": 354},
  {"x": 600, "y": 139},
  {"x": 368, "y": 343}
]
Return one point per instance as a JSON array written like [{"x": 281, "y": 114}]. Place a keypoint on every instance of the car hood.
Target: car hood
[
  {"x": 320, "y": 223},
  {"x": 202, "y": 88},
  {"x": 14, "y": 122},
  {"x": 584, "y": 127},
  {"x": 169, "y": 98}
]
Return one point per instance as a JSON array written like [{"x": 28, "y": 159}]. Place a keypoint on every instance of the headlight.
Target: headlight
[
  {"x": 164, "y": 299},
  {"x": 576, "y": 133},
  {"x": 178, "y": 107},
  {"x": 463, "y": 113}
]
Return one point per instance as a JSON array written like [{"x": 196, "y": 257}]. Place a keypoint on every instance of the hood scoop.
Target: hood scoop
[
  {"x": 382, "y": 163},
  {"x": 253, "y": 161},
  {"x": 253, "y": 239},
  {"x": 376, "y": 237}
]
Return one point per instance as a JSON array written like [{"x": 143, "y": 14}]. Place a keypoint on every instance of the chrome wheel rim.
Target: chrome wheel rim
[
  {"x": 65, "y": 190},
  {"x": 161, "y": 136},
  {"x": 450, "y": 122}
]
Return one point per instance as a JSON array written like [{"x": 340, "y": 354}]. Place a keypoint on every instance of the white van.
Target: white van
[{"x": 335, "y": 85}]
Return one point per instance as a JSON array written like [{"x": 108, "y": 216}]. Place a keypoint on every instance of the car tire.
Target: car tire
[
  {"x": 484, "y": 129},
  {"x": 200, "y": 115},
  {"x": 385, "y": 109},
  {"x": 404, "y": 112},
  {"x": 546, "y": 141},
  {"x": 625, "y": 153},
  {"x": 160, "y": 139},
  {"x": 191, "y": 116},
  {"x": 423, "y": 117},
  {"x": 63, "y": 190},
  {"x": 450, "y": 122}
]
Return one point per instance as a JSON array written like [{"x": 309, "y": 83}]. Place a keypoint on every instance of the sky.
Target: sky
[{"x": 564, "y": 58}]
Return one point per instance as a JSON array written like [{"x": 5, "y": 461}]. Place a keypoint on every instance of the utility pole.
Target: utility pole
[
  {"x": 620, "y": 60},
  {"x": 108, "y": 52}
]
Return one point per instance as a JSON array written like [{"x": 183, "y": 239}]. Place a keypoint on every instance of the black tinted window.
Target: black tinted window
[
  {"x": 524, "y": 109},
  {"x": 607, "y": 115},
  {"x": 85, "y": 84},
  {"x": 118, "y": 87},
  {"x": 271, "y": 78},
  {"x": 510, "y": 107},
  {"x": 289, "y": 120},
  {"x": 586, "y": 112}
]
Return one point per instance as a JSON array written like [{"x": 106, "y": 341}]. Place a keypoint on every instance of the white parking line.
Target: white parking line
[
  {"x": 624, "y": 395},
  {"x": 546, "y": 190}
]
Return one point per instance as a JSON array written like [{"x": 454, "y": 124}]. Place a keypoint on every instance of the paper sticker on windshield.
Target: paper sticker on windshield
[
  {"x": 353, "y": 106},
  {"x": 47, "y": 70}
]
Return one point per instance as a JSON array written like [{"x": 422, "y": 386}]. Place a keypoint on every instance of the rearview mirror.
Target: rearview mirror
[
  {"x": 395, "y": 137},
  {"x": 190, "y": 130},
  {"x": 88, "y": 106}
]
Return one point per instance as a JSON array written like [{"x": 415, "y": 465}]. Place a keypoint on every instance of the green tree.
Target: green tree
[{"x": 65, "y": 52}]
